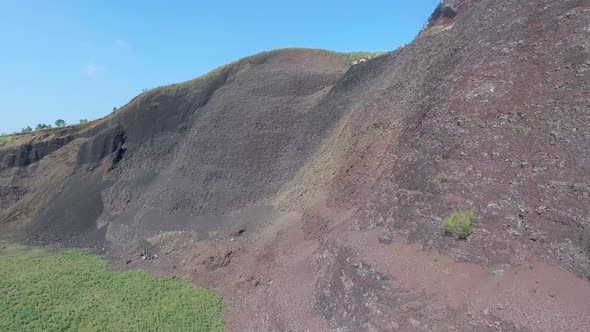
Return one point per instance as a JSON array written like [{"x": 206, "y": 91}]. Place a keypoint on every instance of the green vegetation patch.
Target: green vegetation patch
[
  {"x": 5, "y": 139},
  {"x": 459, "y": 224},
  {"x": 12, "y": 139},
  {"x": 74, "y": 290}
]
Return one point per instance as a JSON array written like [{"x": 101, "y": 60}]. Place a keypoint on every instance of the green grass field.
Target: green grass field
[{"x": 74, "y": 290}]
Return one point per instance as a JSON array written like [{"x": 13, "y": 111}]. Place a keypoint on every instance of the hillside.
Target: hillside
[{"x": 311, "y": 192}]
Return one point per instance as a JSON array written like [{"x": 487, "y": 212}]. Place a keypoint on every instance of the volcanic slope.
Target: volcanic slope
[
  {"x": 311, "y": 192},
  {"x": 204, "y": 147}
]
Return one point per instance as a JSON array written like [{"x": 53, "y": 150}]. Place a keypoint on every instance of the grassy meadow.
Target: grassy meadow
[{"x": 74, "y": 290}]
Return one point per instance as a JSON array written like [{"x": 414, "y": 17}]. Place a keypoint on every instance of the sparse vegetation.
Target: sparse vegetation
[
  {"x": 459, "y": 224},
  {"x": 74, "y": 290},
  {"x": 6, "y": 138},
  {"x": 244, "y": 62},
  {"x": 42, "y": 126},
  {"x": 59, "y": 123},
  {"x": 351, "y": 56}
]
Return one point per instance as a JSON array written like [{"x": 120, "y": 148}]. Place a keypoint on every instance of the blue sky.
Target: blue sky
[{"x": 78, "y": 59}]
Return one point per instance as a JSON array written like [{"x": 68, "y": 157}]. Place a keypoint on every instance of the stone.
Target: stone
[{"x": 498, "y": 272}]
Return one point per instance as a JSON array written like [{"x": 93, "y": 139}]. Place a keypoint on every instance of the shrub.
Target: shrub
[
  {"x": 42, "y": 126},
  {"x": 60, "y": 123},
  {"x": 459, "y": 224},
  {"x": 82, "y": 121},
  {"x": 27, "y": 129}
]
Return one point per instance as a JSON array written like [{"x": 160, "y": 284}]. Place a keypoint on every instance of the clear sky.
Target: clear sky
[{"x": 78, "y": 59}]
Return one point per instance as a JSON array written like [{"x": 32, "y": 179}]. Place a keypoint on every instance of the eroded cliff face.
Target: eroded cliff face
[{"x": 296, "y": 180}]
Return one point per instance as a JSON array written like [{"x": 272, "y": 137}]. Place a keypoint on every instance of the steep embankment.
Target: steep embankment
[
  {"x": 204, "y": 147},
  {"x": 311, "y": 193}
]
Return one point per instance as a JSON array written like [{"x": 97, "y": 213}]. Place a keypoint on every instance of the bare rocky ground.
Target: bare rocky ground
[{"x": 310, "y": 192}]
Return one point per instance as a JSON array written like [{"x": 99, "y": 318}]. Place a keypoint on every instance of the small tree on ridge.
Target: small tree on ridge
[{"x": 60, "y": 123}]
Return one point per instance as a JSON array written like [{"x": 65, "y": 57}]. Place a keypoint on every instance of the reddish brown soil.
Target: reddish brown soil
[{"x": 310, "y": 192}]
